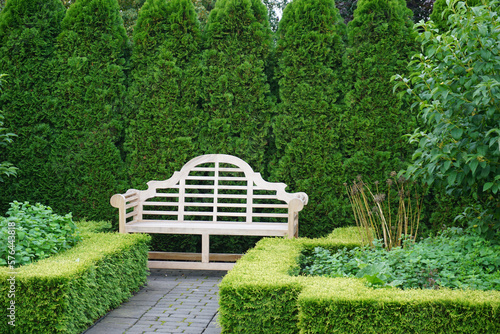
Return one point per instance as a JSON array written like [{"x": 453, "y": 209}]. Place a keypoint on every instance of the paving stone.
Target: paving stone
[{"x": 173, "y": 301}]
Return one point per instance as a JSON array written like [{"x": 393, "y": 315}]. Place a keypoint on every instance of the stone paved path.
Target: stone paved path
[{"x": 173, "y": 301}]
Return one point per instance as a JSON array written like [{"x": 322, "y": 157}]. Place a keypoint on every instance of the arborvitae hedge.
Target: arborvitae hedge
[
  {"x": 90, "y": 92},
  {"x": 164, "y": 91},
  {"x": 28, "y": 31},
  {"x": 163, "y": 99},
  {"x": 236, "y": 98},
  {"x": 374, "y": 120},
  {"x": 308, "y": 159}
]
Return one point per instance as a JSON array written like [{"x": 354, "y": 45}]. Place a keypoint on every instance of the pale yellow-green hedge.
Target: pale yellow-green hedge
[
  {"x": 68, "y": 292},
  {"x": 260, "y": 296}
]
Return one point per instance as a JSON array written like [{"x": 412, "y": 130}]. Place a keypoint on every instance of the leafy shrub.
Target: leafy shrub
[
  {"x": 441, "y": 12},
  {"x": 455, "y": 84},
  {"x": 454, "y": 259},
  {"x": 39, "y": 233}
]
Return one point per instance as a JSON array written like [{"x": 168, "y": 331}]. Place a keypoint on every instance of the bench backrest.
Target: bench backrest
[{"x": 213, "y": 187}]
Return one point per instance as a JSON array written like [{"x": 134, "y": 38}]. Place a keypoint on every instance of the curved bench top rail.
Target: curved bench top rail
[{"x": 217, "y": 160}]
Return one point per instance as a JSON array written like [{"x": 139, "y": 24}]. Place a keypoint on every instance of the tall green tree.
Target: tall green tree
[
  {"x": 374, "y": 120},
  {"x": 28, "y": 32},
  {"x": 164, "y": 91},
  {"x": 90, "y": 92},
  {"x": 236, "y": 97},
  {"x": 309, "y": 52},
  {"x": 163, "y": 99},
  {"x": 6, "y": 168}
]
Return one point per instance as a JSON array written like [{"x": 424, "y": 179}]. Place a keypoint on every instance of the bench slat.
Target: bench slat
[
  {"x": 218, "y": 228},
  {"x": 212, "y": 178},
  {"x": 131, "y": 205},
  {"x": 225, "y": 205},
  {"x": 131, "y": 214}
]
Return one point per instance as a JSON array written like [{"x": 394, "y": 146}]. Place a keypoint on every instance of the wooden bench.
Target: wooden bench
[{"x": 214, "y": 194}]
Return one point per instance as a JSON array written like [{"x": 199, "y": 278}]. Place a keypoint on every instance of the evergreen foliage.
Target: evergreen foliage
[
  {"x": 308, "y": 159},
  {"x": 236, "y": 96},
  {"x": 164, "y": 91},
  {"x": 85, "y": 161},
  {"x": 163, "y": 98},
  {"x": 6, "y": 168},
  {"x": 28, "y": 31},
  {"x": 374, "y": 121}
]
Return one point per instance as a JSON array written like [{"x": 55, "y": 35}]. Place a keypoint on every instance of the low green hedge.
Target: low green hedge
[
  {"x": 68, "y": 292},
  {"x": 260, "y": 296}
]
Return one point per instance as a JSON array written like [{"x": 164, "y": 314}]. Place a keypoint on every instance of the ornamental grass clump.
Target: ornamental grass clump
[
  {"x": 34, "y": 232},
  {"x": 391, "y": 216}
]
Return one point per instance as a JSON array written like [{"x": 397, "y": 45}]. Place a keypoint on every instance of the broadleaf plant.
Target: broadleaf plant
[
  {"x": 39, "y": 233},
  {"x": 455, "y": 82}
]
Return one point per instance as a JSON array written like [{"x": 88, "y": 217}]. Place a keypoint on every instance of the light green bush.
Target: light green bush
[{"x": 34, "y": 232}]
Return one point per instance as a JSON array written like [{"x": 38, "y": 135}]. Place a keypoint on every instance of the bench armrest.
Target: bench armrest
[
  {"x": 123, "y": 202},
  {"x": 295, "y": 205}
]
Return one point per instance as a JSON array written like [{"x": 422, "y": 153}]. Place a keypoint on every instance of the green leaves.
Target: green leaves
[
  {"x": 457, "y": 92},
  {"x": 454, "y": 259},
  {"x": 39, "y": 233}
]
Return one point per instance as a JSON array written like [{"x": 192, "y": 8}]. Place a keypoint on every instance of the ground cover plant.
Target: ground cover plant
[
  {"x": 455, "y": 259},
  {"x": 34, "y": 232}
]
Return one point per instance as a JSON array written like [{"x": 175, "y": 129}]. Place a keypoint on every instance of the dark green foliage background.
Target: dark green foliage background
[
  {"x": 163, "y": 99},
  {"x": 28, "y": 32},
  {"x": 163, "y": 110},
  {"x": 374, "y": 119},
  {"x": 85, "y": 160},
  {"x": 309, "y": 52},
  {"x": 98, "y": 117},
  {"x": 236, "y": 98}
]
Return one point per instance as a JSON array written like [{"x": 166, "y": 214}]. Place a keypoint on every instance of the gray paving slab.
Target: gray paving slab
[{"x": 173, "y": 301}]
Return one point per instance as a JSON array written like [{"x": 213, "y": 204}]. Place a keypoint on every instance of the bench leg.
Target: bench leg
[{"x": 205, "y": 248}]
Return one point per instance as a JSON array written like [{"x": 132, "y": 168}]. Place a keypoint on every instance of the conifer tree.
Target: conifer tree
[
  {"x": 163, "y": 99},
  {"x": 374, "y": 121},
  {"x": 164, "y": 91},
  {"x": 236, "y": 97},
  {"x": 309, "y": 52},
  {"x": 90, "y": 92},
  {"x": 28, "y": 32}
]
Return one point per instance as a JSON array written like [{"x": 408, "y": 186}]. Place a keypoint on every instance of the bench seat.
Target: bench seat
[{"x": 218, "y": 228}]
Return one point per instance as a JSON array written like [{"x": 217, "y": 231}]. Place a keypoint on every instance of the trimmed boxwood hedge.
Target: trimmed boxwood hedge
[
  {"x": 260, "y": 296},
  {"x": 68, "y": 292}
]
